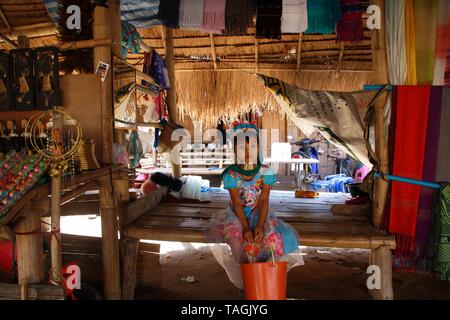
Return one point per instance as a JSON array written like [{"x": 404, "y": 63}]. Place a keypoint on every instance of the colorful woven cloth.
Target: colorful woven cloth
[
  {"x": 410, "y": 32},
  {"x": 428, "y": 195},
  {"x": 442, "y": 42},
  {"x": 426, "y": 16},
  {"x": 238, "y": 16},
  {"x": 442, "y": 234},
  {"x": 268, "y": 19},
  {"x": 412, "y": 104},
  {"x": 155, "y": 66},
  {"x": 191, "y": 14},
  {"x": 131, "y": 39},
  {"x": 214, "y": 16},
  {"x": 295, "y": 17},
  {"x": 323, "y": 16},
  {"x": 350, "y": 28},
  {"x": 169, "y": 13}
]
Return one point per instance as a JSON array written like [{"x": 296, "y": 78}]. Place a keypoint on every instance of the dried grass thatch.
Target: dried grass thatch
[{"x": 208, "y": 96}]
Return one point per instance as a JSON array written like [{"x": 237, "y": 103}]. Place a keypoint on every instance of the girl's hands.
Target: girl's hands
[
  {"x": 247, "y": 234},
  {"x": 259, "y": 234}
]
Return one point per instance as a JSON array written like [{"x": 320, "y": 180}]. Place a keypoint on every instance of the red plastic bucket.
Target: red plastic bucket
[{"x": 264, "y": 280}]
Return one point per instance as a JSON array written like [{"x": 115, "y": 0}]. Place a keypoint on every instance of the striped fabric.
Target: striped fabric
[
  {"x": 52, "y": 9},
  {"x": 141, "y": 14}
]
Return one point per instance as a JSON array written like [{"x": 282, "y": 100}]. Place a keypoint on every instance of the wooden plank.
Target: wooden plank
[
  {"x": 35, "y": 292},
  {"x": 129, "y": 255},
  {"x": 137, "y": 208}
]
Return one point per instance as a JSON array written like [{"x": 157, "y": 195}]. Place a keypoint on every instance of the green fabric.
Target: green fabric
[{"x": 442, "y": 230}]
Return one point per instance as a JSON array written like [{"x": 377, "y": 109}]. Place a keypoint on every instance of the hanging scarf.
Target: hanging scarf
[
  {"x": 131, "y": 39},
  {"x": 295, "y": 16},
  {"x": 238, "y": 16},
  {"x": 428, "y": 195},
  {"x": 191, "y": 13},
  {"x": 169, "y": 13},
  {"x": 442, "y": 42},
  {"x": 412, "y": 105},
  {"x": 214, "y": 16},
  {"x": 443, "y": 167},
  {"x": 323, "y": 16},
  {"x": 155, "y": 66},
  {"x": 350, "y": 28},
  {"x": 268, "y": 19},
  {"x": 442, "y": 234},
  {"x": 396, "y": 41},
  {"x": 410, "y": 32},
  {"x": 426, "y": 15}
]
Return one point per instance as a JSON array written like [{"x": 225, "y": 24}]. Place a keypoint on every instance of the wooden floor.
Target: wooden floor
[{"x": 313, "y": 219}]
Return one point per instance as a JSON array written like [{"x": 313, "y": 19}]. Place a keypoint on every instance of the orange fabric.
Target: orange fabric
[{"x": 410, "y": 30}]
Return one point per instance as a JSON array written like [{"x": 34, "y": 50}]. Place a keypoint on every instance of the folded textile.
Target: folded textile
[
  {"x": 141, "y": 14},
  {"x": 169, "y": 13},
  {"x": 238, "y": 16},
  {"x": 268, "y": 19},
  {"x": 214, "y": 16},
  {"x": 294, "y": 18},
  {"x": 442, "y": 234},
  {"x": 350, "y": 27},
  {"x": 323, "y": 16},
  {"x": 191, "y": 14},
  {"x": 157, "y": 68}
]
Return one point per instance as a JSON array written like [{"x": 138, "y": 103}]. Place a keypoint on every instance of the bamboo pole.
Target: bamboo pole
[
  {"x": 299, "y": 51},
  {"x": 256, "y": 56},
  {"x": 92, "y": 43},
  {"x": 167, "y": 37},
  {"x": 213, "y": 50},
  {"x": 102, "y": 30},
  {"x": 380, "y": 77}
]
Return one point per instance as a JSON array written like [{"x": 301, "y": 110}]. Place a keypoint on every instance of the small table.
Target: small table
[{"x": 299, "y": 166}]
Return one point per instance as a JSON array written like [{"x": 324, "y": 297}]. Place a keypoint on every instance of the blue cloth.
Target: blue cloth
[
  {"x": 131, "y": 39},
  {"x": 323, "y": 16}
]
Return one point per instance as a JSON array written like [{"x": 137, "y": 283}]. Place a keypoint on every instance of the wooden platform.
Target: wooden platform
[
  {"x": 151, "y": 219},
  {"x": 312, "y": 218}
]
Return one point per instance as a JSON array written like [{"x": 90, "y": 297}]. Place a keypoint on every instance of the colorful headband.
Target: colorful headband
[{"x": 245, "y": 125}]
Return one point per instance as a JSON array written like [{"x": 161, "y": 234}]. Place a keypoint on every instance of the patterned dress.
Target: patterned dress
[{"x": 279, "y": 237}]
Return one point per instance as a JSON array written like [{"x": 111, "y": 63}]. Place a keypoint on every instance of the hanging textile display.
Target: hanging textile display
[
  {"x": 169, "y": 13},
  {"x": 442, "y": 235},
  {"x": 214, "y": 16},
  {"x": 191, "y": 14},
  {"x": 442, "y": 42},
  {"x": 335, "y": 115},
  {"x": 268, "y": 19},
  {"x": 141, "y": 14},
  {"x": 238, "y": 16},
  {"x": 131, "y": 39},
  {"x": 294, "y": 18},
  {"x": 323, "y": 16},
  {"x": 155, "y": 66},
  {"x": 443, "y": 167},
  {"x": 426, "y": 16},
  {"x": 410, "y": 32},
  {"x": 396, "y": 41},
  {"x": 427, "y": 195},
  {"x": 350, "y": 27}
]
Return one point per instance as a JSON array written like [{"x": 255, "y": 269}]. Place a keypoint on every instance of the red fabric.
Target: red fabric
[{"x": 410, "y": 139}]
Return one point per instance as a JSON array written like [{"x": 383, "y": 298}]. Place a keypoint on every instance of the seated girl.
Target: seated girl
[{"x": 252, "y": 231}]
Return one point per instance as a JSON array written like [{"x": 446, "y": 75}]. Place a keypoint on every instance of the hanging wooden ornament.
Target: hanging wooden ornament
[
  {"x": 22, "y": 79},
  {"x": 5, "y": 81},
  {"x": 46, "y": 68}
]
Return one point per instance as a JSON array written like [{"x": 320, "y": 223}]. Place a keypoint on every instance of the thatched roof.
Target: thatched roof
[{"x": 209, "y": 88}]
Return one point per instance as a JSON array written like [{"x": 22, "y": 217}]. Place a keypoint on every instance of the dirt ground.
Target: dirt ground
[{"x": 327, "y": 274}]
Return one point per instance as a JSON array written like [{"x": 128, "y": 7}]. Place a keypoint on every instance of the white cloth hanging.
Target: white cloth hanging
[{"x": 294, "y": 18}]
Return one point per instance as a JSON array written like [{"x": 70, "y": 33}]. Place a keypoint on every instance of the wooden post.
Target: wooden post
[
  {"x": 102, "y": 30},
  {"x": 256, "y": 55},
  {"x": 110, "y": 242},
  {"x": 30, "y": 254},
  {"x": 299, "y": 51},
  {"x": 55, "y": 241},
  {"x": 213, "y": 50},
  {"x": 167, "y": 37},
  {"x": 382, "y": 257},
  {"x": 380, "y": 77},
  {"x": 130, "y": 252}
]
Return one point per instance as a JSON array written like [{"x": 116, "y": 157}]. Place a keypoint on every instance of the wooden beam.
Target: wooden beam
[
  {"x": 5, "y": 20},
  {"x": 382, "y": 258},
  {"x": 213, "y": 51},
  {"x": 272, "y": 69},
  {"x": 8, "y": 41},
  {"x": 76, "y": 192},
  {"x": 299, "y": 51},
  {"x": 34, "y": 292},
  {"x": 380, "y": 77},
  {"x": 341, "y": 56},
  {"x": 167, "y": 37},
  {"x": 93, "y": 43},
  {"x": 144, "y": 204}
]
